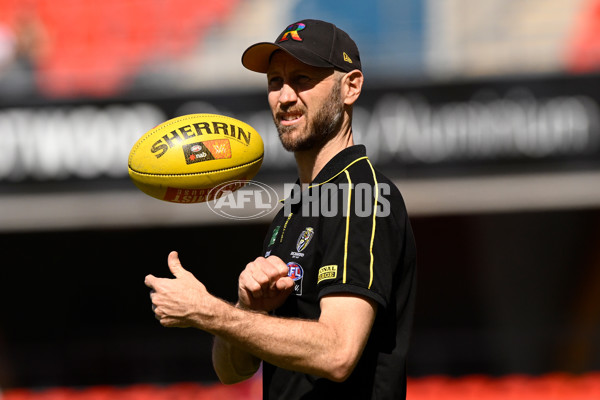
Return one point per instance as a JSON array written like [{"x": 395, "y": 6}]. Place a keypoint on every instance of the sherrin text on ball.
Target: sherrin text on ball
[{"x": 182, "y": 159}]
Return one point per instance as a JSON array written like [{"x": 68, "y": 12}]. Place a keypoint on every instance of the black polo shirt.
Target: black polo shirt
[{"x": 348, "y": 232}]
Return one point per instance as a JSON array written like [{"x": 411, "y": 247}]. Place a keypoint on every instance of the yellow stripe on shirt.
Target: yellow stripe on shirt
[
  {"x": 343, "y": 170},
  {"x": 374, "y": 222},
  {"x": 347, "y": 224},
  {"x": 285, "y": 226}
]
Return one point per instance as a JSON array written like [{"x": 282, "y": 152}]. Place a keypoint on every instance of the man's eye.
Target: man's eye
[{"x": 275, "y": 82}]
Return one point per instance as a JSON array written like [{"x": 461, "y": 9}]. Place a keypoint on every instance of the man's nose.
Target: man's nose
[{"x": 287, "y": 94}]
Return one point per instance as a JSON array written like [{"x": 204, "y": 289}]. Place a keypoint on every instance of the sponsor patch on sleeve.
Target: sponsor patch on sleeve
[{"x": 327, "y": 272}]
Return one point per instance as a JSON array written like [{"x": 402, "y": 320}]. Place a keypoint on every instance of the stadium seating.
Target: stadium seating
[
  {"x": 94, "y": 49},
  {"x": 556, "y": 386}
]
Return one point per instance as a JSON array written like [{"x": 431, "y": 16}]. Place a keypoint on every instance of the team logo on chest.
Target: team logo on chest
[{"x": 303, "y": 241}]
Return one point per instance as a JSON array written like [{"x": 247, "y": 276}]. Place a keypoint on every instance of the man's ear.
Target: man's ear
[{"x": 352, "y": 86}]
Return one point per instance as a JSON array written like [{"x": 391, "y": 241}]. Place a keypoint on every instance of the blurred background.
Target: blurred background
[{"x": 485, "y": 113}]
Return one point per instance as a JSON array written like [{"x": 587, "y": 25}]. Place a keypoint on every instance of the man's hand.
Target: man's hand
[
  {"x": 264, "y": 284},
  {"x": 181, "y": 302}
]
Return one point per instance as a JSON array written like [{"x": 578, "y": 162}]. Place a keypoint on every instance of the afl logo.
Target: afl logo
[
  {"x": 295, "y": 271},
  {"x": 196, "y": 148}
]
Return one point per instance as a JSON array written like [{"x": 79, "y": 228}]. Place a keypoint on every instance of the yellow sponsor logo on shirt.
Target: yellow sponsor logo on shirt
[{"x": 327, "y": 272}]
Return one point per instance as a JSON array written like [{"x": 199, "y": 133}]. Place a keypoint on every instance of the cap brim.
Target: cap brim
[{"x": 258, "y": 57}]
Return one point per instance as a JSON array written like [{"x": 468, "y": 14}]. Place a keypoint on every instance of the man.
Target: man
[{"x": 328, "y": 308}]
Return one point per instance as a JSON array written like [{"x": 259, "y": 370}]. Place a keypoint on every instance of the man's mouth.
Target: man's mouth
[{"x": 289, "y": 118}]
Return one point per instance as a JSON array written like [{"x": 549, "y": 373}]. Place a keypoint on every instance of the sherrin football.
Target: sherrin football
[{"x": 182, "y": 159}]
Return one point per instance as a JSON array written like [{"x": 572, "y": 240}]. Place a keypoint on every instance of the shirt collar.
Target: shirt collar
[
  {"x": 339, "y": 163},
  {"x": 336, "y": 166}
]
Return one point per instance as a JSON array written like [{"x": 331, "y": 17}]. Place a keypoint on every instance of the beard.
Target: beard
[{"x": 322, "y": 128}]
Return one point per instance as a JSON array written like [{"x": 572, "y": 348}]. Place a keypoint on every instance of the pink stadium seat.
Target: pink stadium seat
[
  {"x": 97, "y": 393},
  {"x": 583, "y": 55}
]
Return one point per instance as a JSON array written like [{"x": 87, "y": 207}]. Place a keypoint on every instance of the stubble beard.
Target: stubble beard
[{"x": 320, "y": 130}]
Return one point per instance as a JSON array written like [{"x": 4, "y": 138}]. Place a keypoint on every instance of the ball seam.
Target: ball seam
[{"x": 197, "y": 173}]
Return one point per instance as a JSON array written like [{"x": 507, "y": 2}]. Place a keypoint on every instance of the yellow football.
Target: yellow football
[{"x": 182, "y": 159}]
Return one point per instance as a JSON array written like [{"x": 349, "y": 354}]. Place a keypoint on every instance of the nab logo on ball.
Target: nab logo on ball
[
  {"x": 209, "y": 150},
  {"x": 296, "y": 272},
  {"x": 243, "y": 200},
  {"x": 196, "y": 152}
]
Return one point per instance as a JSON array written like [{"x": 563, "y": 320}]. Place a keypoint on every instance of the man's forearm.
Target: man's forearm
[
  {"x": 242, "y": 337},
  {"x": 313, "y": 347}
]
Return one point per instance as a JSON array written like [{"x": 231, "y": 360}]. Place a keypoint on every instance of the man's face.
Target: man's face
[{"x": 305, "y": 101}]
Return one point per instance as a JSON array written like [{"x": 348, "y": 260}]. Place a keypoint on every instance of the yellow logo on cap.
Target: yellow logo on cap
[{"x": 347, "y": 58}]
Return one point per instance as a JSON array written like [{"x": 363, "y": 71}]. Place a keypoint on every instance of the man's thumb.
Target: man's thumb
[
  {"x": 174, "y": 264},
  {"x": 284, "y": 283}
]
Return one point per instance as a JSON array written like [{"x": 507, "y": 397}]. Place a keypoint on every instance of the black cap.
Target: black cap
[{"x": 313, "y": 42}]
